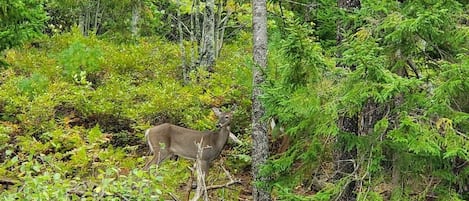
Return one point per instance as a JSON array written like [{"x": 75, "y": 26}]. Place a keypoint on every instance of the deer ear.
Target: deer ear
[{"x": 216, "y": 111}]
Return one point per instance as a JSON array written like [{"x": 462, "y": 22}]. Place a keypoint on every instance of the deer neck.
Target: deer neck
[{"x": 220, "y": 137}]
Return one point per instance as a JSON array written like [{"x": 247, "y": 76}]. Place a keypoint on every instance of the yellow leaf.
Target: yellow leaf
[
  {"x": 362, "y": 34},
  {"x": 444, "y": 123}
]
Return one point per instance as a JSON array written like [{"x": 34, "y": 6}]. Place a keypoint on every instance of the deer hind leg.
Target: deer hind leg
[
  {"x": 150, "y": 162},
  {"x": 159, "y": 155}
]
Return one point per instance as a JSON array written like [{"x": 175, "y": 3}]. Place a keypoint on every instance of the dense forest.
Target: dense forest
[{"x": 323, "y": 99}]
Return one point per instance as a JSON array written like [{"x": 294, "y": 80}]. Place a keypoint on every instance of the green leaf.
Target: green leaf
[{"x": 94, "y": 135}]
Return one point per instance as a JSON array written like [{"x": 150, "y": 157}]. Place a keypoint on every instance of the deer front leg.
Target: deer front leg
[{"x": 204, "y": 166}]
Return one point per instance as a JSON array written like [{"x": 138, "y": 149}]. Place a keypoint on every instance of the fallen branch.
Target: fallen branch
[
  {"x": 173, "y": 196},
  {"x": 223, "y": 185}
]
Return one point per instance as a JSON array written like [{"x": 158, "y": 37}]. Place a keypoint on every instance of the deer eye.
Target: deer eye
[{"x": 226, "y": 117}]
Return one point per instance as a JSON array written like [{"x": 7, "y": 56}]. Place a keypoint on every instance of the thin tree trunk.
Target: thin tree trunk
[
  {"x": 221, "y": 32},
  {"x": 198, "y": 31},
  {"x": 88, "y": 19},
  {"x": 207, "y": 55},
  {"x": 185, "y": 71},
  {"x": 96, "y": 16},
  {"x": 81, "y": 22},
  {"x": 260, "y": 145},
  {"x": 217, "y": 27},
  {"x": 135, "y": 18},
  {"x": 193, "y": 35}
]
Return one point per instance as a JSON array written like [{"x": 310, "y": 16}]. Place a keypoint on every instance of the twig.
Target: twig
[
  {"x": 231, "y": 182},
  {"x": 235, "y": 139},
  {"x": 223, "y": 185},
  {"x": 189, "y": 183},
  {"x": 173, "y": 196},
  {"x": 461, "y": 134}
]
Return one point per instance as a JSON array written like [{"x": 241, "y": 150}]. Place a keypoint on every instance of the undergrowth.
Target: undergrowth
[{"x": 73, "y": 110}]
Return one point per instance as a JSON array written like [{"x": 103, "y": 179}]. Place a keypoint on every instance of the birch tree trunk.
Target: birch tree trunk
[
  {"x": 260, "y": 144},
  {"x": 207, "y": 54},
  {"x": 135, "y": 18}
]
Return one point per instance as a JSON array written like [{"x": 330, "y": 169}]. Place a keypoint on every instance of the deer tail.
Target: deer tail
[{"x": 147, "y": 132}]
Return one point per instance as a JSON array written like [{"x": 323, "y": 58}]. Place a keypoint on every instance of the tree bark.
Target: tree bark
[
  {"x": 260, "y": 145},
  {"x": 207, "y": 55}
]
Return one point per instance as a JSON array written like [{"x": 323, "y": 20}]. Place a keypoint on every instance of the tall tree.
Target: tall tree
[{"x": 260, "y": 145}]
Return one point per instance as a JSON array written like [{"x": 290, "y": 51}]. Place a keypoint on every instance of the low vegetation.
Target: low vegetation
[{"x": 74, "y": 109}]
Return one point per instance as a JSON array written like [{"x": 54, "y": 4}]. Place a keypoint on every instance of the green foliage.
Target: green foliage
[
  {"x": 137, "y": 185},
  {"x": 407, "y": 62},
  {"x": 79, "y": 58},
  {"x": 34, "y": 85},
  {"x": 294, "y": 98},
  {"x": 21, "y": 20}
]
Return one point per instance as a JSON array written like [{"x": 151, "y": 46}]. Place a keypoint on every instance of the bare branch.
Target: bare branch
[{"x": 201, "y": 188}]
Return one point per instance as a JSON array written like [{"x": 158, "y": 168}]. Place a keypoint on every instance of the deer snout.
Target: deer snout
[{"x": 219, "y": 125}]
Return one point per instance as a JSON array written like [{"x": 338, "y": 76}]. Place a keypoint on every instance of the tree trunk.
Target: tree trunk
[
  {"x": 81, "y": 22},
  {"x": 207, "y": 55},
  {"x": 135, "y": 18},
  {"x": 260, "y": 145},
  {"x": 185, "y": 70},
  {"x": 96, "y": 16},
  {"x": 194, "y": 33},
  {"x": 220, "y": 28}
]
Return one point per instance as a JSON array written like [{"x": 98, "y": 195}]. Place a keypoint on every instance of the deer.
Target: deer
[{"x": 167, "y": 139}]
